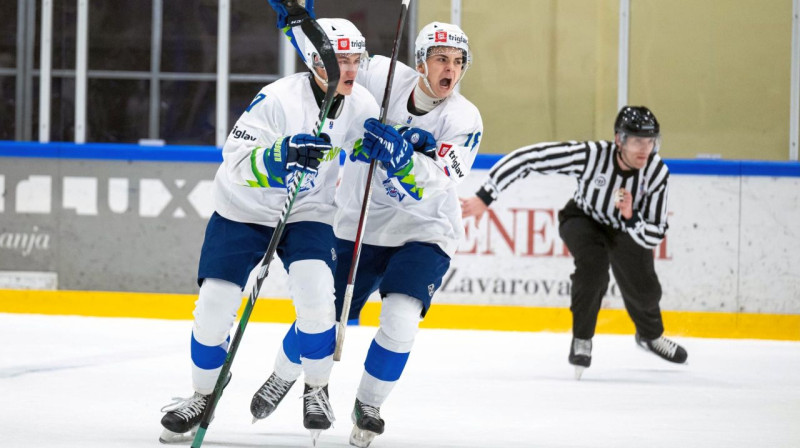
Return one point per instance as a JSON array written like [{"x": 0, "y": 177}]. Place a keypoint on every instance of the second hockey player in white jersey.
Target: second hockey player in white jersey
[
  {"x": 414, "y": 224},
  {"x": 270, "y": 143}
]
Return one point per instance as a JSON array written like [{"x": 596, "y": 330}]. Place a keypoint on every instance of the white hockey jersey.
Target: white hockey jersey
[
  {"x": 395, "y": 217},
  {"x": 285, "y": 107}
]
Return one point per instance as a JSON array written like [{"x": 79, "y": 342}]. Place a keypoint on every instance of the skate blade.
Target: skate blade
[
  {"x": 314, "y": 436},
  {"x": 579, "y": 372},
  {"x": 361, "y": 438},
  {"x": 168, "y": 437}
]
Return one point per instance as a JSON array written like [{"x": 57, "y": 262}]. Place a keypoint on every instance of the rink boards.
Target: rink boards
[
  {"x": 129, "y": 220},
  {"x": 445, "y": 316}
]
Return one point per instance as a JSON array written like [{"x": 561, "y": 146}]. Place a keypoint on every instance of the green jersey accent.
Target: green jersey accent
[
  {"x": 269, "y": 179},
  {"x": 359, "y": 152},
  {"x": 408, "y": 181},
  {"x": 261, "y": 179},
  {"x": 331, "y": 154}
]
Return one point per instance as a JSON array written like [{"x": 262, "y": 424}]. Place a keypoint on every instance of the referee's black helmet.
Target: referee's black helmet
[{"x": 637, "y": 121}]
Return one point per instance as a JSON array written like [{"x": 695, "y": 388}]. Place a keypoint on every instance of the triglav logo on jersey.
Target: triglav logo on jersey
[
  {"x": 454, "y": 163},
  {"x": 242, "y": 134},
  {"x": 440, "y": 36},
  {"x": 443, "y": 149},
  {"x": 343, "y": 44}
]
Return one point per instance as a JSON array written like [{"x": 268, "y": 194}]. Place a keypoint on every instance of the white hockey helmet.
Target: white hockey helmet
[
  {"x": 438, "y": 34},
  {"x": 345, "y": 39}
]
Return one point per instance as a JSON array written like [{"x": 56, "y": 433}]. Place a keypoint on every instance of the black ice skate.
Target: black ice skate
[
  {"x": 664, "y": 348},
  {"x": 317, "y": 411},
  {"x": 367, "y": 423},
  {"x": 267, "y": 398},
  {"x": 183, "y": 416},
  {"x": 580, "y": 355}
]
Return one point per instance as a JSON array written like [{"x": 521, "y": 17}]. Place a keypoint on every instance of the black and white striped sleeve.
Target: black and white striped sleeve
[
  {"x": 648, "y": 226},
  {"x": 544, "y": 158}
]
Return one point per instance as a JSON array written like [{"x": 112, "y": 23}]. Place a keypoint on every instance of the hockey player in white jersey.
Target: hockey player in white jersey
[
  {"x": 414, "y": 224},
  {"x": 270, "y": 143}
]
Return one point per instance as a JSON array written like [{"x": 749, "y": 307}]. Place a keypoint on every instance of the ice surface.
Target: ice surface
[{"x": 100, "y": 382}]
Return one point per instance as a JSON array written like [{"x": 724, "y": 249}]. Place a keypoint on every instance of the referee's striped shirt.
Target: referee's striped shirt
[{"x": 593, "y": 164}]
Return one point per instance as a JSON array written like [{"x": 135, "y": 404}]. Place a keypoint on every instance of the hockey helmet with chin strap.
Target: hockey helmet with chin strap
[
  {"x": 345, "y": 39},
  {"x": 637, "y": 121},
  {"x": 438, "y": 34}
]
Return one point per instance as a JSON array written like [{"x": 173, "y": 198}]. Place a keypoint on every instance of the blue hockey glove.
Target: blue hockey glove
[
  {"x": 300, "y": 152},
  {"x": 383, "y": 142},
  {"x": 305, "y": 152},
  {"x": 284, "y": 18},
  {"x": 360, "y": 154},
  {"x": 422, "y": 140}
]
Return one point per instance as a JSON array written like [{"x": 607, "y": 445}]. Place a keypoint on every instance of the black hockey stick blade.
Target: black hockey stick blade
[
  {"x": 296, "y": 11},
  {"x": 316, "y": 35}
]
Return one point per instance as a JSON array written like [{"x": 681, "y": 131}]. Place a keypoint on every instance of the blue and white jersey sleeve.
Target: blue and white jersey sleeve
[
  {"x": 261, "y": 125},
  {"x": 458, "y": 131}
]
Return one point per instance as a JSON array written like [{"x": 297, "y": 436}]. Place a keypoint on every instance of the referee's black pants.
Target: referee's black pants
[{"x": 594, "y": 247}]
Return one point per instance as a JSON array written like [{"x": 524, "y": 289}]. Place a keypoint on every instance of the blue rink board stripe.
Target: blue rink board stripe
[
  {"x": 205, "y": 154},
  {"x": 111, "y": 151},
  {"x": 697, "y": 167}
]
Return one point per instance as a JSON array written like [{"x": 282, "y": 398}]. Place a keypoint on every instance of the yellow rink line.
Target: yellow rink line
[{"x": 479, "y": 317}]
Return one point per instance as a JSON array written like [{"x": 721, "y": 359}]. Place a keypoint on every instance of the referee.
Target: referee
[{"x": 616, "y": 217}]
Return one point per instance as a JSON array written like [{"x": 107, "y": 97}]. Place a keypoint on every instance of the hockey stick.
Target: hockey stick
[
  {"x": 362, "y": 220},
  {"x": 317, "y": 36}
]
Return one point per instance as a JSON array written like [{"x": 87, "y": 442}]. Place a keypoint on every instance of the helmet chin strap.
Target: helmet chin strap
[
  {"x": 321, "y": 79},
  {"x": 428, "y": 83}
]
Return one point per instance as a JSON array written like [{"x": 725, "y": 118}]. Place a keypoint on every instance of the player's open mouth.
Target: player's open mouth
[
  {"x": 349, "y": 82},
  {"x": 446, "y": 82}
]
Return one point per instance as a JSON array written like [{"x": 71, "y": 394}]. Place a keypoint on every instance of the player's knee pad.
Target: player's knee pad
[
  {"x": 400, "y": 317},
  {"x": 311, "y": 288},
  {"x": 215, "y": 311}
]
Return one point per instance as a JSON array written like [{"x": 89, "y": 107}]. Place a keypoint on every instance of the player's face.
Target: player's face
[
  {"x": 348, "y": 69},
  {"x": 444, "y": 70},
  {"x": 635, "y": 151}
]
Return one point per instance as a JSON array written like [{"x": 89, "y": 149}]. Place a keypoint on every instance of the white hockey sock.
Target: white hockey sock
[
  {"x": 214, "y": 315},
  {"x": 400, "y": 317},
  {"x": 311, "y": 288}
]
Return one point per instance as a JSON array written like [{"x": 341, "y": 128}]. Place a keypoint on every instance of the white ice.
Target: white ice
[{"x": 94, "y": 382}]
